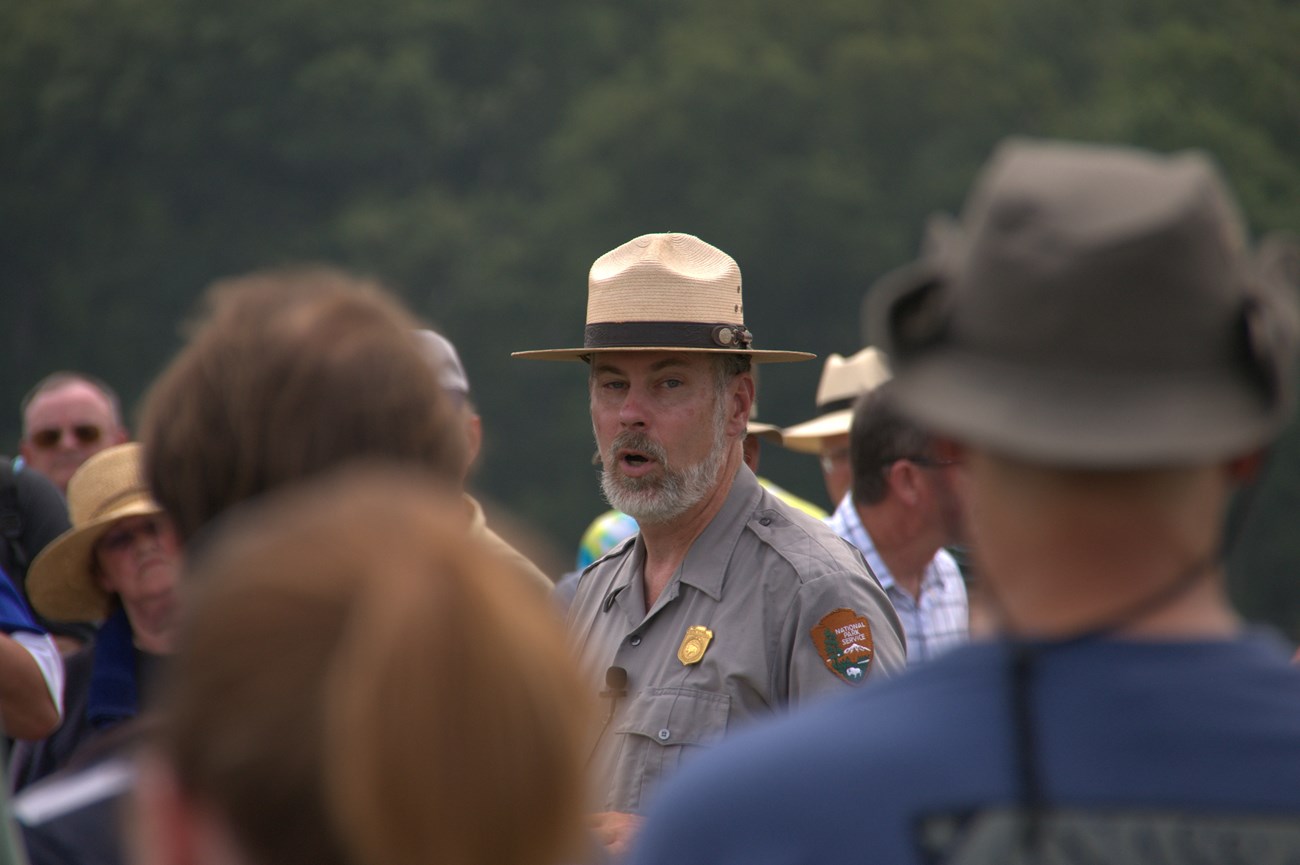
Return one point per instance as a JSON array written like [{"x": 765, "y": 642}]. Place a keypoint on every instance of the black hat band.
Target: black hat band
[{"x": 668, "y": 334}]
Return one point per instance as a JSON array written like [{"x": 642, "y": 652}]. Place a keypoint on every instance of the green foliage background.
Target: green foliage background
[{"x": 477, "y": 155}]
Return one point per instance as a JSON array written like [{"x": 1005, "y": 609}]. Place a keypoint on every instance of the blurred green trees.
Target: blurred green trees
[{"x": 477, "y": 155}]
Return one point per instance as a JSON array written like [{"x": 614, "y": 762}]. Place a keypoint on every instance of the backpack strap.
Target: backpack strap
[{"x": 11, "y": 518}]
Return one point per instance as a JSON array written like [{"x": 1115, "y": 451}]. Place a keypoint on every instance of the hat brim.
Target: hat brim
[
  {"x": 579, "y": 353},
  {"x": 1089, "y": 418},
  {"x": 807, "y": 436},
  {"x": 60, "y": 584},
  {"x": 764, "y": 431},
  {"x": 1085, "y": 419}
]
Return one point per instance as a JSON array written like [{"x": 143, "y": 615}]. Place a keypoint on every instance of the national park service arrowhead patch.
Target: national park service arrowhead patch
[{"x": 843, "y": 639}]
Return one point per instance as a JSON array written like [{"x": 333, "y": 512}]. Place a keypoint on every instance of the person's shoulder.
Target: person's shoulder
[
  {"x": 523, "y": 567},
  {"x": 807, "y": 544},
  {"x": 819, "y": 778},
  {"x": 610, "y": 561},
  {"x": 600, "y": 574},
  {"x": 32, "y": 487},
  {"x": 892, "y": 712},
  {"x": 792, "y": 500}
]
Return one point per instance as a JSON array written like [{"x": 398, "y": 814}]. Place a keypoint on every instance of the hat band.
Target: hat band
[
  {"x": 674, "y": 334},
  {"x": 836, "y": 405}
]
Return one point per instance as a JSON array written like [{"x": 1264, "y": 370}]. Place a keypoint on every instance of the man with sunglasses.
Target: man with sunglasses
[
  {"x": 901, "y": 512},
  {"x": 68, "y": 418}
]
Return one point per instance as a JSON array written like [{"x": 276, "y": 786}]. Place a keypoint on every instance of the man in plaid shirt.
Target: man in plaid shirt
[{"x": 900, "y": 513}]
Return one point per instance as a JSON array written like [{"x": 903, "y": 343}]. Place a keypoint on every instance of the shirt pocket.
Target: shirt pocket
[{"x": 659, "y": 728}]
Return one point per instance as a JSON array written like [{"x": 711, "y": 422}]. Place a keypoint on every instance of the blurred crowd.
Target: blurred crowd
[{"x": 266, "y": 621}]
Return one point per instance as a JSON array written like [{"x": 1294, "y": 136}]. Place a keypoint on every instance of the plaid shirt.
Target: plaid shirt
[{"x": 936, "y": 622}]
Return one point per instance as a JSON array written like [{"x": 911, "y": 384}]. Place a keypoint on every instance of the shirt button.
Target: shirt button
[
  {"x": 765, "y": 521},
  {"x": 664, "y": 734},
  {"x": 636, "y": 641}
]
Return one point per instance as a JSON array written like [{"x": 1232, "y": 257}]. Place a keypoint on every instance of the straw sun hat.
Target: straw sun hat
[
  {"x": 665, "y": 292},
  {"x": 108, "y": 487},
  {"x": 843, "y": 381}
]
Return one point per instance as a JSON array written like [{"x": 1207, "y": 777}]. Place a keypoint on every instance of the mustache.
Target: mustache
[{"x": 637, "y": 441}]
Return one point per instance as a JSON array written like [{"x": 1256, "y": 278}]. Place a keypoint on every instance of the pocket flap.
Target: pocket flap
[{"x": 677, "y": 716}]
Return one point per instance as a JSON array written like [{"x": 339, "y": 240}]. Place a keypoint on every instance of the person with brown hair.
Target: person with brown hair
[
  {"x": 355, "y": 684},
  {"x": 289, "y": 373}
]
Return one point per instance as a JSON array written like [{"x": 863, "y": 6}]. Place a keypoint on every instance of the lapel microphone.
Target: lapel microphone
[
  {"x": 615, "y": 690},
  {"x": 615, "y": 686}
]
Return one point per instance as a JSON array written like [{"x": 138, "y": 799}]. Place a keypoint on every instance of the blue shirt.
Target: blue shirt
[
  {"x": 1202, "y": 733},
  {"x": 15, "y": 615}
]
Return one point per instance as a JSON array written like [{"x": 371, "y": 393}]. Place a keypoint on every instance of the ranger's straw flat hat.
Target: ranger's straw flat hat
[
  {"x": 843, "y": 381},
  {"x": 665, "y": 292},
  {"x": 108, "y": 487},
  {"x": 1097, "y": 307}
]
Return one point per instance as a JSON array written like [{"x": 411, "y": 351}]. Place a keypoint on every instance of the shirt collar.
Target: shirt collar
[
  {"x": 849, "y": 525},
  {"x": 705, "y": 565}
]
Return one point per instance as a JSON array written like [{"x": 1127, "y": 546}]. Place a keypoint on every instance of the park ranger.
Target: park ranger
[{"x": 728, "y": 604}]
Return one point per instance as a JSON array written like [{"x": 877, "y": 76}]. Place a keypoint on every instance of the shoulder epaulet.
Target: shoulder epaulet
[{"x": 613, "y": 552}]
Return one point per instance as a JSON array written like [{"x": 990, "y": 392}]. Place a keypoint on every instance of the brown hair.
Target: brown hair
[
  {"x": 879, "y": 435},
  {"x": 360, "y": 682},
  {"x": 290, "y": 373}
]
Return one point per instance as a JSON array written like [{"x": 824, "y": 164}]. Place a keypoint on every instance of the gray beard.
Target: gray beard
[{"x": 671, "y": 493}]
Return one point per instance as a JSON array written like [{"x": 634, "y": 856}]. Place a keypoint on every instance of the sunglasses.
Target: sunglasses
[{"x": 84, "y": 433}]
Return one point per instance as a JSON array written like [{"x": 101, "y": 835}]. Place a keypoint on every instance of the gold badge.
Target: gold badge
[
  {"x": 693, "y": 644},
  {"x": 843, "y": 639}
]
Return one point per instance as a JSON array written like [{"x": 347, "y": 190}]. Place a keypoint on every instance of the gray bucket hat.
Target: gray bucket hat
[{"x": 1096, "y": 307}]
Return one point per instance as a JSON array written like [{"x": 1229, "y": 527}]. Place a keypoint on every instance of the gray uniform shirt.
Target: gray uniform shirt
[{"x": 762, "y": 577}]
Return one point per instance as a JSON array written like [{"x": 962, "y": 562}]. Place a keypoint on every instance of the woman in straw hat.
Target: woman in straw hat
[
  {"x": 391, "y": 698},
  {"x": 117, "y": 564}
]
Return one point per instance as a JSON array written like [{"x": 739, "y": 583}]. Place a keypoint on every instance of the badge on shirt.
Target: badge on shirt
[
  {"x": 693, "y": 644},
  {"x": 843, "y": 639}
]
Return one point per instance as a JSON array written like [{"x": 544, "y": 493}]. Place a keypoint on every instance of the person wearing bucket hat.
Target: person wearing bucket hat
[
  {"x": 827, "y": 435},
  {"x": 728, "y": 605},
  {"x": 118, "y": 564},
  {"x": 1105, "y": 356}
]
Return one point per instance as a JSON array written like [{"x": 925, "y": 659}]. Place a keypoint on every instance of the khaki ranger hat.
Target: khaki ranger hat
[
  {"x": 766, "y": 431},
  {"x": 108, "y": 487},
  {"x": 1096, "y": 307},
  {"x": 665, "y": 292},
  {"x": 843, "y": 381}
]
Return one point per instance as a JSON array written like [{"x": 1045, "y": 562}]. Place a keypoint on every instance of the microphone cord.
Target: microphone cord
[{"x": 615, "y": 690}]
